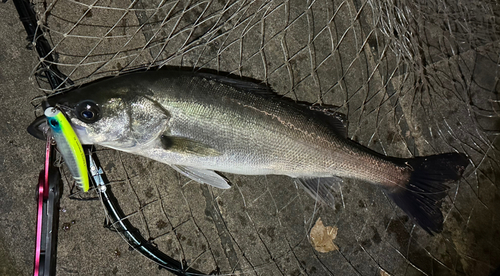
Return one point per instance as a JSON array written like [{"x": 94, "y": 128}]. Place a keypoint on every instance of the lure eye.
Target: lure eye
[
  {"x": 88, "y": 112},
  {"x": 54, "y": 123}
]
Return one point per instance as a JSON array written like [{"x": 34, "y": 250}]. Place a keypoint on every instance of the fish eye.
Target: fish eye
[{"x": 88, "y": 112}]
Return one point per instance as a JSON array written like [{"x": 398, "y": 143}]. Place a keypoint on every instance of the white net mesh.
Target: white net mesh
[{"x": 414, "y": 78}]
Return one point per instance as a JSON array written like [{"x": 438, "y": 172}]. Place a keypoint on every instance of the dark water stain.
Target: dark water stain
[
  {"x": 396, "y": 227},
  {"x": 394, "y": 137},
  {"x": 252, "y": 238},
  {"x": 181, "y": 237},
  {"x": 149, "y": 192},
  {"x": 110, "y": 166},
  {"x": 420, "y": 258},
  {"x": 457, "y": 217},
  {"x": 243, "y": 220},
  {"x": 88, "y": 14},
  {"x": 169, "y": 243},
  {"x": 361, "y": 204},
  {"x": 376, "y": 236},
  {"x": 372, "y": 41},
  {"x": 376, "y": 239},
  {"x": 208, "y": 216},
  {"x": 161, "y": 224},
  {"x": 269, "y": 231},
  {"x": 220, "y": 202},
  {"x": 366, "y": 243}
]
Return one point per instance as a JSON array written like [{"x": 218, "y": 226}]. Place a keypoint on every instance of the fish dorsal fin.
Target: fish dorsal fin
[
  {"x": 186, "y": 145},
  {"x": 246, "y": 85},
  {"x": 203, "y": 176},
  {"x": 329, "y": 114},
  {"x": 320, "y": 188}
]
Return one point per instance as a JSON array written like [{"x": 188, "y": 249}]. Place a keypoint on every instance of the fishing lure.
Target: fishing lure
[{"x": 69, "y": 146}]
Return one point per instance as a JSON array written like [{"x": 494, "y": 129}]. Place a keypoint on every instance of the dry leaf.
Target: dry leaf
[{"x": 322, "y": 237}]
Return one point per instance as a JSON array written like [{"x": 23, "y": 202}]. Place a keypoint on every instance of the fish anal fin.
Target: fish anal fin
[
  {"x": 320, "y": 188},
  {"x": 186, "y": 145},
  {"x": 203, "y": 176}
]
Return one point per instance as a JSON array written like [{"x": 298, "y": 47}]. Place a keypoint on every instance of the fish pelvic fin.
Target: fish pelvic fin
[
  {"x": 203, "y": 176},
  {"x": 421, "y": 197}
]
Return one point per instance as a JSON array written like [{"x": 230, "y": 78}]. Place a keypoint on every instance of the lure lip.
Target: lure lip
[{"x": 36, "y": 128}]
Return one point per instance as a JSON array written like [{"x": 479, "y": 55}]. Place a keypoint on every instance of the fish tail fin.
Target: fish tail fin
[{"x": 421, "y": 196}]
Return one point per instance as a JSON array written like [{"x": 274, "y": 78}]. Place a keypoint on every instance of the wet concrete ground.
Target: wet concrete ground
[
  {"x": 21, "y": 156},
  {"x": 260, "y": 225}
]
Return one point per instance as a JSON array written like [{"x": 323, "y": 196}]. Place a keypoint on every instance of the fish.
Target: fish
[{"x": 204, "y": 125}]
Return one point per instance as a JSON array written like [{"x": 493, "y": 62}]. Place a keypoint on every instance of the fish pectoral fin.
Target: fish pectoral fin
[
  {"x": 186, "y": 145},
  {"x": 320, "y": 188},
  {"x": 203, "y": 176}
]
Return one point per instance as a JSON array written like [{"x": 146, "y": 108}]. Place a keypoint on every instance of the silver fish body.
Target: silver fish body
[{"x": 201, "y": 123}]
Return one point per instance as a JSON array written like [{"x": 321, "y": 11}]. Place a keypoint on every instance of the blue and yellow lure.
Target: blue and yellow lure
[{"x": 69, "y": 146}]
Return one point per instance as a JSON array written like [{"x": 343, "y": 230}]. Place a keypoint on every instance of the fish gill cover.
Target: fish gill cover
[{"x": 415, "y": 78}]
